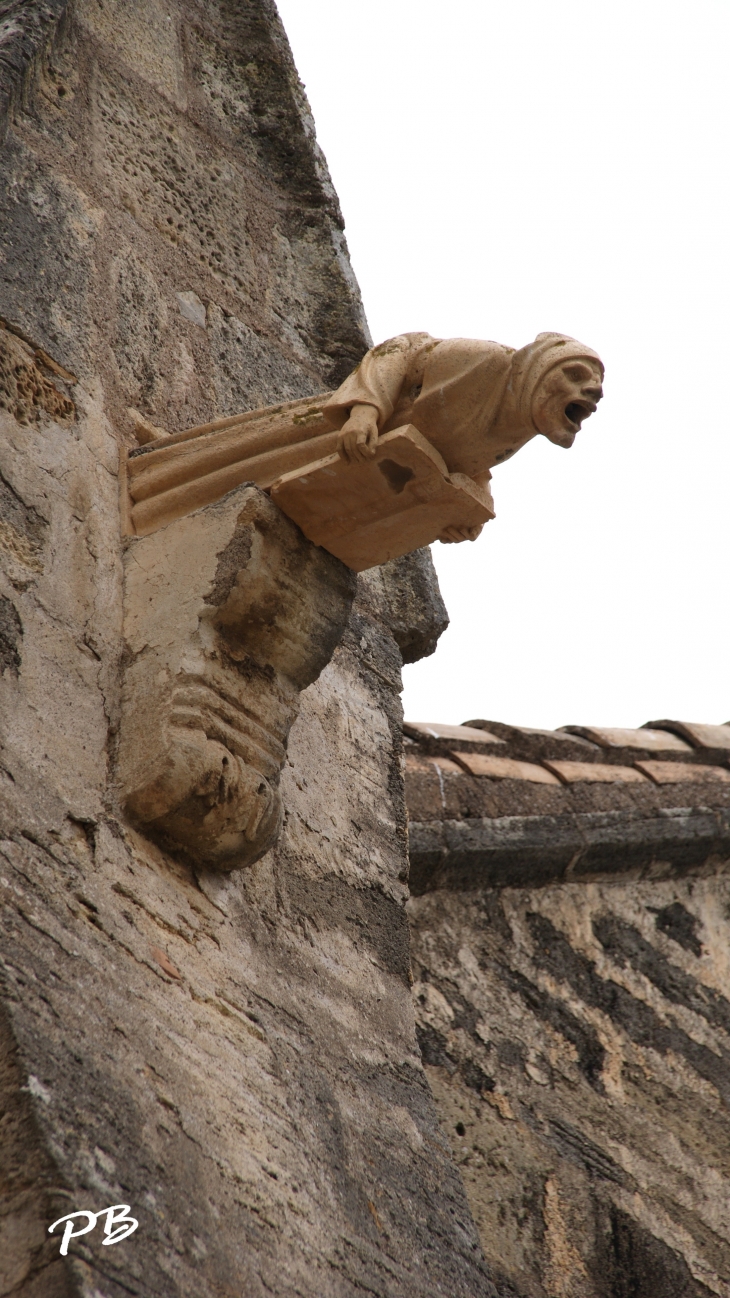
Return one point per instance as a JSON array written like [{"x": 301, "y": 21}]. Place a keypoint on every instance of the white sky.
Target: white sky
[{"x": 507, "y": 167}]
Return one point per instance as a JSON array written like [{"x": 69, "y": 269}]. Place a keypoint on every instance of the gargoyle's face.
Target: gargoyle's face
[{"x": 566, "y": 396}]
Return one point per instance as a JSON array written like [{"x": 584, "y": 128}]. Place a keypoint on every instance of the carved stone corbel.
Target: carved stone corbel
[{"x": 229, "y": 613}]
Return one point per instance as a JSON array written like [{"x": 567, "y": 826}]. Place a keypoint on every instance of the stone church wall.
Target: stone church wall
[
  {"x": 575, "y": 1021},
  {"x": 232, "y": 1056}
]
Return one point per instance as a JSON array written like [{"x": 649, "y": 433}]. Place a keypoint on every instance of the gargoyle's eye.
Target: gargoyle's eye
[{"x": 577, "y": 373}]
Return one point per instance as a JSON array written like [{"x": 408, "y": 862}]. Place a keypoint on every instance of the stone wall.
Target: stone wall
[
  {"x": 575, "y": 1023},
  {"x": 233, "y": 1057}
]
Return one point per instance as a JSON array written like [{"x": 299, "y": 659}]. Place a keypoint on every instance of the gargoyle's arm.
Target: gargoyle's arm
[
  {"x": 371, "y": 392},
  {"x": 359, "y": 434}
]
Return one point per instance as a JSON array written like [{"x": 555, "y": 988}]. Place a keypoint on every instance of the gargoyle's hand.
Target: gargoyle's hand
[
  {"x": 452, "y": 535},
  {"x": 359, "y": 436}
]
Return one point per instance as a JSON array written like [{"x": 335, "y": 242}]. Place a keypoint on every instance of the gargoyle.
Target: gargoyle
[
  {"x": 400, "y": 455},
  {"x": 476, "y": 402}
]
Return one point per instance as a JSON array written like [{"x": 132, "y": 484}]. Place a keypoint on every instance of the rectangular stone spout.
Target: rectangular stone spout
[{"x": 229, "y": 613}]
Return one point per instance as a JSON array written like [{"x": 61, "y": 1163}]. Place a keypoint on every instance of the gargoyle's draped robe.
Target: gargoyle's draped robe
[{"x": 447, "y": 388}]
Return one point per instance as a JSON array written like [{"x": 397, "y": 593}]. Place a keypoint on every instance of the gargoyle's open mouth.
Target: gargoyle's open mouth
[{"x": 577, "y": 411}]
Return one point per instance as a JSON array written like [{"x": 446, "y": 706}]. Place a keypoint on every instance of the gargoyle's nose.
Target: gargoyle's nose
[{"x": 595, "y": 394}]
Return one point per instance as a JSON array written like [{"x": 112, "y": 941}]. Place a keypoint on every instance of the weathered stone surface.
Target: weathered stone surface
[
  {"x": 228, "y": 615},
  {"x": 406, "y": 597},
  {"x": 264, "y": 1111},
  {"x": 532, "y": 850},
  {"x": 177, "y": 157},
  {"x": 577, "y": 1039},
  {"x": 572, "y": 998},
  {"x": 29, "y": 28},
  {"x": 233, "y": 1056},
  {"x": 25, "y": 390}
]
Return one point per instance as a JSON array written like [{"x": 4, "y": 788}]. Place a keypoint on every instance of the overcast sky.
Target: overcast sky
[{"x": 507, "y": 167}]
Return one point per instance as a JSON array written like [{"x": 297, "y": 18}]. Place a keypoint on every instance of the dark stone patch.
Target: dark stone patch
[
  {"x": 680, "y": 925},
  {"x": 511, "y": 1054},
  {"x": 325, "y": 1114},
  {"x": 435, "y": 1054},
  {"x": 434, "y": 1049},
  {"x": 408, "y": 601},
  {"x": 639, "y": 1021},
  {"x": 378, "y": 658},
  {"x": 591, "y": 1053},
  {"x": 638, "y": 1265},
  {"x": 30, "y": 27},
  {"x": 21, "y": 517},
  {"x": 231, "y": 562},
  {"x": 573, "y": 1144},
  {"x": 11, "y": 633},
  {"x": 626, "y": 944},
  {"x": 31, "y": 1189},
  {"x": 475, "y": 1077},
  {"x": 465, "y": 1015},
  {"x": 432, "y": 1046},
  {"x": 488, "y": 916},
  {"x": 41, "y": 223},
  {"x": 366, "y": 914},
  {"x": 251, "y": 42}
]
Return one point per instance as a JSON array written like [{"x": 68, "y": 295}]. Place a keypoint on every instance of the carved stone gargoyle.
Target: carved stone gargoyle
[
  {"x": 401, "y": 455},
  {"x": 229, "y": 613}
]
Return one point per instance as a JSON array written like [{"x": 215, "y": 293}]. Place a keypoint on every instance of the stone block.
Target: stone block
[
  {"x": 404, "y": 595},
  {"x": 417, "y": 763}
]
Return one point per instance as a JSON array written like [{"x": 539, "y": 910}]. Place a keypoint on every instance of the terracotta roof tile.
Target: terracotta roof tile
[
  {"x": 595, "y": 773},
  {"x": 505, "y": 768},
  {"x": 699, "y": 735},
  {"x": 658, "y": 741},
  {"x": 679, "y": 772},
  {"x": 515, "y": 733},
  {"x": 461, "y": 734}
]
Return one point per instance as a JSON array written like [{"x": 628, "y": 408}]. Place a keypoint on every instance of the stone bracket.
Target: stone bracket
[{"x": 229, "y": 613}]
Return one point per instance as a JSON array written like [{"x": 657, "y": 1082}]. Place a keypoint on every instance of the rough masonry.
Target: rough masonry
[
  {"x": 570, "y": 929},
  {"x": 234, "y": 1057}
]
